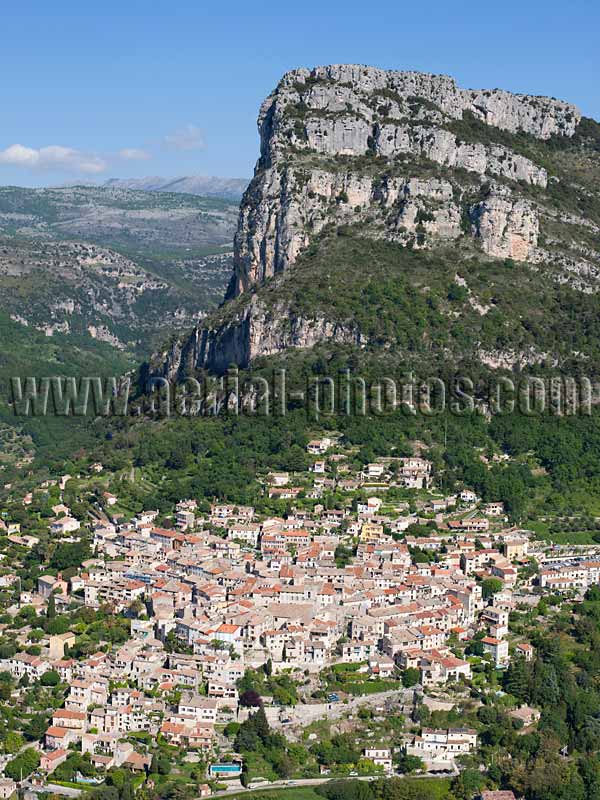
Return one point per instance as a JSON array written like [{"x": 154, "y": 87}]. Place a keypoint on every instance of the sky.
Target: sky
[{"x": 96, "y": 90}]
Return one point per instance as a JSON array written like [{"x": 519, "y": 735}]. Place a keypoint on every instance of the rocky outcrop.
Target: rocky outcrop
[
  {"x": 103, "y": 334},
  {"x": 342, "y": 128},
  {"x": 405, "y": 157},
  {"x": 256, "y": 329},
  {"x": 292, "y": 205},
  {"x": 349, "y": 136},
  {"x": 366, "y": 95},
  {"x": 507, "y": 227}
]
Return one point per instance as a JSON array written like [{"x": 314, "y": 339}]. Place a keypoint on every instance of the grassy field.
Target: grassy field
[
  {"x": 542, "y": 531},
  {"x": 437, "y": 788},
  {"x": 346, "y": 678},
  {"x": 291, "y": 793},
  {"x": 571, "y": 537}
]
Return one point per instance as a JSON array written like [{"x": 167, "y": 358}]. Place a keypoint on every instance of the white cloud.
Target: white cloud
[
  {"x": 71, "y": 160},
  {"x": 186, "y": 138},
  {"x": 19, "y": 155},
  {"x": 134, "y": 154},
  {"x": 52, "y": 157}
]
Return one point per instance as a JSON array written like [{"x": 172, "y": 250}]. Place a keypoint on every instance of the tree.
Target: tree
[
  {"x": 593, "y": 593},
  {"x": 340, "y": 749},
  {"x": 35, "y": 728},
  {"x": 245, "y": 777},
  {"x": 545, "y": 687},
  {"x": 6, "y": 685},
  {"x": 246, "y": 739},
  {"x": 410, "y": 677},
  {"x": 126, "y": 792},
  {"x": 136, "y": 608},
  {"x": 475, "y": 648},
  {"x": 356, "y": 790},
  {"x": 468, "y": 784},
  {"x": 407, "y": 763},
  {"x": 490, "y": 587},
  {"x": 12, "y": 742},
  {"x": 7, "y": 650},
  {"x": 161, "y": 764},
  {"x": 253, "y": 732},
  {"x": 23, "y": 765},
  {"x": 51, "y": 610},
  {"x": 231, "y": 729},
  {"x": 58, "y": 625},
  {"x": 251, "y": 679},
  {"x": 284, "y": 765},
  {"x": 283, "y": 690},
  {"x": 296, "y": 460},
  {"x": 261, "y": 724},
  {"x": 516, "y": 679},
  {"x": 50, "y": 678},
  {"x": 250, "y": 699},
  {"x": 343, "y": 556},
  {"x": 70, "y": 554}
]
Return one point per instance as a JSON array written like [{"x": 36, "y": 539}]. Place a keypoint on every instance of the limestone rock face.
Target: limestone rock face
[
  {"x": 407, "y": 157},
  {"x": 507, "y": 227},
  {"x": 291, "y": 206},
  {"x": 257, "y": 330},
  {"x": 333, "y": 129},
  {"x": 348, "y": 136},
  {"x": 368, "y": 94},
  {"x": 541, "y": 116}
]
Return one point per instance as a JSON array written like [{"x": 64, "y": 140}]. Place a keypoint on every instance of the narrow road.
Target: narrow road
[{"x": 66, "y": 791}]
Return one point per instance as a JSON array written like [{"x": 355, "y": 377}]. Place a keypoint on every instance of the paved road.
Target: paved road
[{"x": 66, "y": 791}]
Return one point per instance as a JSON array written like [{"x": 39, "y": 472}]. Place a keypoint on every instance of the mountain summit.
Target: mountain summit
[{"x": 402, "y": 183}]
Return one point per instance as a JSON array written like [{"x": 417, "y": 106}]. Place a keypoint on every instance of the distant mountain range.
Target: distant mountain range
[
  {"x": 112, "y": 263},
  {"x": 92, "y": 280},
  {"x": 228, "y": 188}
]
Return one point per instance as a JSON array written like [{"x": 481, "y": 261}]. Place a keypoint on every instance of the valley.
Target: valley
[
  {"x": 93, "y": 280},
  {"x": 390, "y": 599}
]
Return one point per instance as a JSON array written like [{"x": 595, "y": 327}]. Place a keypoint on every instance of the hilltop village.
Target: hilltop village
[{"x": 150, "y": 633}]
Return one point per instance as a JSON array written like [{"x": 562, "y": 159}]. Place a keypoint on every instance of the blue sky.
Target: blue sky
[{"x": 96, "y": 90}]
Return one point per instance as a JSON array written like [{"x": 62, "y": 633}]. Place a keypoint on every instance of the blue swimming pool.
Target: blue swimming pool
[{"x": 226, "y": 768}]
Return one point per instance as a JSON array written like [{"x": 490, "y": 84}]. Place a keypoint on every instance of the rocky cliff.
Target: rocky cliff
[
  {"x": 368, "y": 114},
  {"x": 401, "y": 157}
]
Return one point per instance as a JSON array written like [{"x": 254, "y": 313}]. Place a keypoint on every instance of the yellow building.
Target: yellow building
[
  {"x": 371, "y": 532},
  {"x": 515, "y": 548}
]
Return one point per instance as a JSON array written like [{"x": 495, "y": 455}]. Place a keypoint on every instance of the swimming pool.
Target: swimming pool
[{"x": 226, "y": 769}]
